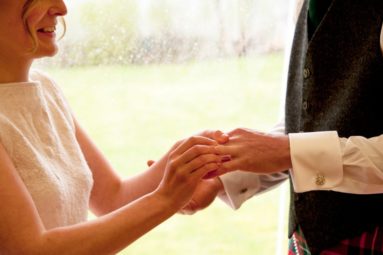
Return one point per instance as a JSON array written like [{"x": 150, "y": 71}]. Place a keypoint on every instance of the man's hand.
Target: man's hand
[
  {"x": 255, "y": 152},
  {"x": 216, "y": 135},
  {"x": 203, "y": 196}
]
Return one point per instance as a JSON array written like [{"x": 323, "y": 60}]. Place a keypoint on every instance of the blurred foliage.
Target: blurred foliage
[
  {"x": 112, "y": 29},
  {"x": 101, "y": 33},
  {"x": 121, "y": 32}
]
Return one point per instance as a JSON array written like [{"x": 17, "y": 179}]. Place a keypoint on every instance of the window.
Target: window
[{"x": 141, "y": 74}]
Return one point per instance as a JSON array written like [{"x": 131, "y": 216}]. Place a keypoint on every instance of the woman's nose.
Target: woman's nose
[{"x": 58, "y": 8}]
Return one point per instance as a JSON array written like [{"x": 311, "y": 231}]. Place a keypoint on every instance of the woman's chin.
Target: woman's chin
[{"x": 46, "y": 53}]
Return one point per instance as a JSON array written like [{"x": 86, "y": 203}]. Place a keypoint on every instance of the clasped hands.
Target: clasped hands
[
  {"x": 254, "y": 151},
  {"x": 240, "y": 149},
  {"x": 243, "y": 149}
]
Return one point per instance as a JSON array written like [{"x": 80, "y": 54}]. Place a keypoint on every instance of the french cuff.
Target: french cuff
[
  {"x": 238, "y": 187},
  {"x": 316, "y": 161}
]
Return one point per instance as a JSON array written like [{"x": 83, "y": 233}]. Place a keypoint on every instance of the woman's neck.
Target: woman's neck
[{"x": 14, "y": 71}]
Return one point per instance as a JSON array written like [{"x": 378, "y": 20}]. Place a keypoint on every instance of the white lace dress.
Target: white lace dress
[{"x": 37, "y": 131}]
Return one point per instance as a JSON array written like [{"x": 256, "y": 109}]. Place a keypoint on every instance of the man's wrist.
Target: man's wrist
[{"x": 285, "y": 156}]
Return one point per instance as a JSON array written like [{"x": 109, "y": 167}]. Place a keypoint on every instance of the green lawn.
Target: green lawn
[{"x": 136, "y": 113}]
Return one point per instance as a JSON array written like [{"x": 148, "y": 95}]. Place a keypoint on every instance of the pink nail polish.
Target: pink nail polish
[
  {"x": 225, "y": 158},
  {"x": 210, "y": 174}
]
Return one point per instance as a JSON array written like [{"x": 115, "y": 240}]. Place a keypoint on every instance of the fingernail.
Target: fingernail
[
  {"x": 218, "y": 132},
  {"x": 210, "y": 174},
  {"x": 224, "y": 138},
  {"x": 225, "y": 158}
]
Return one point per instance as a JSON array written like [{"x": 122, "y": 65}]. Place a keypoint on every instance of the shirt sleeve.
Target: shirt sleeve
[
  {"x": 320, "y": 161},
  {"x": 240, "y": 185},
  {"x": 324, "y": 161}
]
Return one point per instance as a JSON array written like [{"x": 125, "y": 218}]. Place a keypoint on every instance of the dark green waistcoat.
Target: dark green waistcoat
[{"x": 335, "y": 82}]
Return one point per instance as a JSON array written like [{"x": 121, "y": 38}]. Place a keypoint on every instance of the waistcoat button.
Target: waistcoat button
[
  {"x": 306, "y": 73},
  {"x": 304, "y": 105}
]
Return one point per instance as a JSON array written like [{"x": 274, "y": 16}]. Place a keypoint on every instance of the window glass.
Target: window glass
[{"x": 142, "y": 74}]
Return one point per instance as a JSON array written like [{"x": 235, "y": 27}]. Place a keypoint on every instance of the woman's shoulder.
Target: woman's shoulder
[
  {"x": 52, "y": 93},
  {"x": 47, "y": 82},
  {"x": 40, "y": 76}
]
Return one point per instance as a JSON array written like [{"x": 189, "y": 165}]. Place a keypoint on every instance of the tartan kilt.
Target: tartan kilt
[{"x": 368, "y": 243}]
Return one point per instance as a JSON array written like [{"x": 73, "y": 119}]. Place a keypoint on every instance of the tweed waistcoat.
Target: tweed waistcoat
[{"x": 335, "y": 82}]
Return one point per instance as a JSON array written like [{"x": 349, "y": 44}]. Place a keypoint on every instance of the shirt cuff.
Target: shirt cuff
[
  {"x": 239, "y": 186},
  {"x": 316, "y": 161}
]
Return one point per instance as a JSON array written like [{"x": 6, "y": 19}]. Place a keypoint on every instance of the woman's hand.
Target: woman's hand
[
  {"x": 204, "y": 195},
  {"x": 187, "y": 164}
]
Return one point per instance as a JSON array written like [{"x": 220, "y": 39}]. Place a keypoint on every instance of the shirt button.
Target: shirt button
[
  {"x": 306, "y": 73},
  {"x": 305, "y": 105},
  {"x": 319, "y": 179}
]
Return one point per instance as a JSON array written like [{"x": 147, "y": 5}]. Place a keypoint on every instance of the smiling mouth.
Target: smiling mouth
[{"x": 49, "y": 30}]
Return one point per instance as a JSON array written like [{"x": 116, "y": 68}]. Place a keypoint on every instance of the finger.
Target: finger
[
  {"x": 225, "y": 158},
  {"x": 227, "y": 150},
  {"x": 186, "y": 168},
  {"x": 237, "y": 131},
  {"x": 204, "y": 170},
  {"x": 196, "y": 151},
  {"x": 216, "y": 135},
  {"x": 189, "y": 209},
  {"x": 194, "y": 140},
  {"x": 211, "y": 175},
  {"x": 202, "y": 160},
  {"x": 215, "y": 173},
  {"x": 220, "y": 137},
  {"x": 186, "y": 211},
  {"x": 225, "y": 167},
  {"x": 231, "y": 165}
]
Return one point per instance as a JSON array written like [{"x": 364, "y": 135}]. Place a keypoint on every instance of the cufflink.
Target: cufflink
[
  {"x": 319, "y": 179},
  {"x": 242, "y": 191}
]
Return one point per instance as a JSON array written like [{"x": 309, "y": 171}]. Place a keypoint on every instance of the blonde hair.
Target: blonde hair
[{"x": 27, "y": 8}]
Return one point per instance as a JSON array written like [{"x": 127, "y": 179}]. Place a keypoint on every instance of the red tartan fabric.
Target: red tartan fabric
[
  {"x": 369, "y": 243},
  {"x": 298, "y": 245}
]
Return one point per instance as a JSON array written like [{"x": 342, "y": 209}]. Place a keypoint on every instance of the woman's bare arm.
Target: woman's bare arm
[{"x": 22, "y": 231}]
